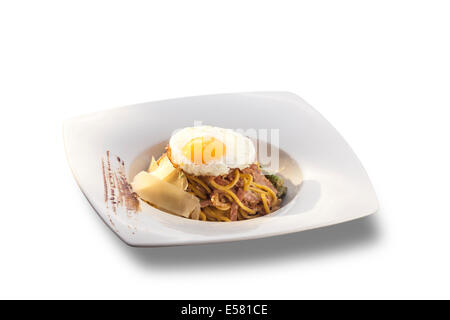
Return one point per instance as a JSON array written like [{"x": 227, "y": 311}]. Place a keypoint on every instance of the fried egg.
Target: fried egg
[{"x": 210, "y": 151}]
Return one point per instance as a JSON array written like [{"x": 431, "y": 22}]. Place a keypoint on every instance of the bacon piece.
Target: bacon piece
[
  {"x": 205, "y": 203},
  {"x": 234, "y": 211},
  {"x": 258, "y": 177},
  {"x": 222, "y": 180},
  {"x": 248, "y": 198}
]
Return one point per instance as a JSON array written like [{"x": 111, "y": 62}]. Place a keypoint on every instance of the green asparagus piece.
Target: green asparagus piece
[{"x": 278, "y": 183}]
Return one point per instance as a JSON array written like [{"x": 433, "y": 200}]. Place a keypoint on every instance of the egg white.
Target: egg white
[{"x": 240, "y": 151}]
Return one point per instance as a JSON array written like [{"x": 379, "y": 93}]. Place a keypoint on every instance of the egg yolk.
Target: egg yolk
[{"x": 202, "y": 150}]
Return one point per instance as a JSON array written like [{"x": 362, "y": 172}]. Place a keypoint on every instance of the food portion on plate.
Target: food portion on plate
[{"x": 210, "y": 174}]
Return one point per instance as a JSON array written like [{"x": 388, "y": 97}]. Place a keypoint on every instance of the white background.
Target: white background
[{"x": 379, "y": 71}]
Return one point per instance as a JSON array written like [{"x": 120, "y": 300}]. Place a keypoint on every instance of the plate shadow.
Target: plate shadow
[{"x": 344, "y": 236}]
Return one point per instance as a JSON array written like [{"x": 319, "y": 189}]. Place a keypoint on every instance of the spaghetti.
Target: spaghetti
[{"x": 240, "y": 195}]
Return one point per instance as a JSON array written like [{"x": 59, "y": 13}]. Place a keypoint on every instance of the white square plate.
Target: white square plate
[{"x": 105, "y": 149}]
